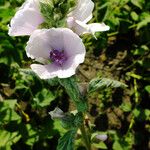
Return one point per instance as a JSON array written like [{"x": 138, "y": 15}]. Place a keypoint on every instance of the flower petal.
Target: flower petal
[
  {"x": 72, "y": 43},
  {"x": 82, "y": 28},
  {"x": 51, "y": 70},
  {"x": 83, "y": 10},
  {"x": 45, "y": 71},
  {"x": 38, "y": 45},
  {"x": 26, "y": 20},
  {"x": 98, "y": 27}
]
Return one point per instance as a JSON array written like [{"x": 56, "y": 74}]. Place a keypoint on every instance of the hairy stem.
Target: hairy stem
[{"x": 85, "y": 137}]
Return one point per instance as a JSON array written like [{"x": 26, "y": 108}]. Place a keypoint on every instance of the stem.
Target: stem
[{"x": 85, "y": 137}]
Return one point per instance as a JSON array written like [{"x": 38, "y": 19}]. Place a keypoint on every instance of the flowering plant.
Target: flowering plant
[{"x": 54, "y": 44}]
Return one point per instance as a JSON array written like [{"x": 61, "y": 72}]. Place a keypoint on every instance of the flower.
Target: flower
[
  {"x": 59, "y": 50},
  {"x": 102, "y": 137},
  {"x": 57, "y": 113},
  {"x": 78, "y": 18},
  {"x": 26, "y": 19}
]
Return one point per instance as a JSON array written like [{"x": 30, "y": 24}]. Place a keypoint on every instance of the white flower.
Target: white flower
[
  {"x": 57, "y": 113},
  {"x": 78, "y": 18},
  {"x": 102, "y": 137},
  {"x": 26, "y": 19},
  {"x": 58, "y": 49}
]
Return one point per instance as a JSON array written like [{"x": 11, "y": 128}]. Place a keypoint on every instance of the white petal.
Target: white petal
[
  {"x": 26, "y": 19},
  {"x": 45, "y": 71},
  {"x": 69, "y": 68},
  {"x": 80, "y": 27},
  {"x": 83, "y": 10},
  {"x": 72, "y": 43},
  {"x": 98, "y": 27},
  {"x": 51, "y": 70},
  {"x": 38, "y": 45}
]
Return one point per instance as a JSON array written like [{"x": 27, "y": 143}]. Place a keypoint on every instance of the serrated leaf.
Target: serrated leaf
[
  {"x": 71, "y": 121},
  {"x": 66, "y": 142},
  {"x": 101, "y": 83},
  {"x": 70, "y": 84}
]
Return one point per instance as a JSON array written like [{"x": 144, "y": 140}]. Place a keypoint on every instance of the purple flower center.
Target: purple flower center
[{"x": 58, "y": 57}]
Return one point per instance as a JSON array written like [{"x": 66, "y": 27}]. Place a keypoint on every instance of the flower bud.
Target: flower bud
[
  {"x": 101, "y": 137},
  {"x": 57, "y": 113}
]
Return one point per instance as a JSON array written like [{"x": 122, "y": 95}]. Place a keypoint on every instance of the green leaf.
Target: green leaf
[
  {"x": 72, "y": 121},
  {"x": 8, "y": 138},
  {"x": 126, "y": 107},
  {"x": 100, "y": 145},
  {"x": 147, "y": 88},
  {"x": 145, "y": 19},
  {"x": 117, "y": 146},
  {"x": 7, "y": 112},
  {"x": 32, "y": 135},
  {"x": 66, "y": 142},
  {"x": 101, "y": 83},
  {"x": 138, "y": 3},
  {"x": 27, "y": 71},
  {"x": 43, "y": 98},
  {"x": 134, "y": 16},
  {"x": 58, "y": 126},
  {"x": 70, "y": 84}
]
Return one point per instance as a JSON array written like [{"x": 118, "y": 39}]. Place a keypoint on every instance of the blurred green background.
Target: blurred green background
[{"x": 122, "y": 54}]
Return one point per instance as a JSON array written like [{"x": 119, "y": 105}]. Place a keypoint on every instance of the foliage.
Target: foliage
[{"x": 124, "y": 114}]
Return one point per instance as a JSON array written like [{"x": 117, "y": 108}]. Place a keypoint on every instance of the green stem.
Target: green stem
[{"x": 85, "y": 137}]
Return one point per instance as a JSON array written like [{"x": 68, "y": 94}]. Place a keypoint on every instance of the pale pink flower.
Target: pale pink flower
[
  {"x": 26, "y": 20},
  {"x": 78, "y": 18},
  {"x": 59, "y": 50}
]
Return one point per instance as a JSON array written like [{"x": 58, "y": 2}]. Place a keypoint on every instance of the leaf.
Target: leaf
[
  {"x": 101, "y": 83},
  {"x": 138, "y": 3},
  {"x": 126, "y": 107},
  {"x": 145, "y": 19},
  {"x": 32, "y": 135},
  {"x": 7, "y": 112},
  {"x": 66, "y": 142},
  {"x": 117, "y": 146},
  {"x": 8, "y": 138},
  {"x": 72, "y": 89},
  {"x": 100, "y": 145},
  {"x": 147, "y": 88},
  {"x": 134, "y": 16},
  {"x": 71, "y": 121},
  {"x": 27, "y": 71},
  {"x": 43, "y": 98}
]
